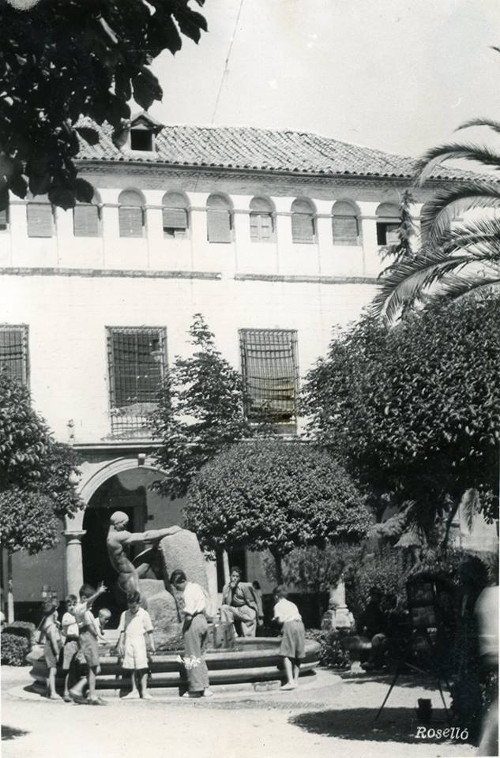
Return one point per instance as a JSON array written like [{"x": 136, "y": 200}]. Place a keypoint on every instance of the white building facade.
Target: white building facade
[{"x": 274, "y": 237}]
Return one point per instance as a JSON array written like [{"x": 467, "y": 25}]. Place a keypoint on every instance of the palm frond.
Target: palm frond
[
  {"x": 438, "y": 213},
  {"x": 491, "y": 123},
  {"x": 479, "y": 237},
  {"x": 455, "y": 287},
  {"x": 454, "y": 151}
]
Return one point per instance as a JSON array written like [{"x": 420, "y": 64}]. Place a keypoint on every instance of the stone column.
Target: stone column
[
  {"x": 337, "y": 596},
  {"x": 74, "y": 562}
]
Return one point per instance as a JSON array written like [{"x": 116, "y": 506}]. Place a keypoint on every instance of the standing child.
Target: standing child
[
  {"x": 135, "y": 626},
  {"x": 102, "y": 621},
  {"x": 293, "y": 641},
  {"x": 87, "y": 643},
  {"x": 52, "y": 645},
  {"x": 70, "y": 639}
]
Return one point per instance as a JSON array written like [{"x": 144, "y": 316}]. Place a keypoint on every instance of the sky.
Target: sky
[{"x": 397, "y": 75}]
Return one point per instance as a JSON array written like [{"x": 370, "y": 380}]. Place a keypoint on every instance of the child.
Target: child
[
  {"x": 135, "y": 625},
  {"x": 87, "y": 643},
  {"x": 52, "y": 645},
  {"x": 102, "y": 621},
  {"x": 70, "y": 638},
  {"x": 293, "y": 642}
]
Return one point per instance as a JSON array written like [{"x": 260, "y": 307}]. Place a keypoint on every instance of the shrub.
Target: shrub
[
  {"x": 25, "y": 629},
  {"x": 14, "y": 650},
  {"x": 332, "y": 654}
]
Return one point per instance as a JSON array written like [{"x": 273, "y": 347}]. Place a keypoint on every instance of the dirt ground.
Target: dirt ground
[{"x": 323, "y": 718}]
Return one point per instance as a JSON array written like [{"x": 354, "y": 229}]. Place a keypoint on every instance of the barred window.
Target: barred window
[
  {"x": 388, "y": 221},
  {"x": 131, "y": 214},
  {"x": 270, "y": 374},
  {"x": 261, "y": 220},
  {"x": 87, "y": 219},
  {"x": 345, "y": 226},
  {"x": 40, "y": 218},
  {"x": 14, "y": 352},
  {"x": 175, "y": 215},
  {"x": 219, "y": 219},
  {"x": 136, "y": 360},
  {"x": 303, "y": 222}
]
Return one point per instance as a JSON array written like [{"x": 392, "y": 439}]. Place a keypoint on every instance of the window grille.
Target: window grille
[
  {"x": 4, "y": 220},
  {"x": 270, "y": 373},
  {"x": 14, "y": 352},
  {"x": 40, "y": 219},
  {"x": 86, "y": 220},
  {"x": 261, "y": 220},
  {"x": 303, "y": 222},
  {"x": 130, "y": 214},
  {"x": 175, "y": 215},
  {"x": 219, "y": 219},
  {"x": 136, "y": 359},
  {"x": 345, "y": 227}
]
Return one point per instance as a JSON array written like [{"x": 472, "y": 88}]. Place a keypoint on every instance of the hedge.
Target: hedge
[{"x": 14, "y": 650}]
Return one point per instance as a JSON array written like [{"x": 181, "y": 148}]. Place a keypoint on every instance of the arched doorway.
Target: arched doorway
[{"x": 128, "y": 491}]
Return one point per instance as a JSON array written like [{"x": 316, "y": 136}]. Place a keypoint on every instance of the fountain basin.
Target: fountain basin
[{"x": 249, "y": 661}]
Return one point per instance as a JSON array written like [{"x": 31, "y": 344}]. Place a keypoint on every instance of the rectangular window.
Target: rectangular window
[
  {"x": 136, "y": 359},
  {"x": 40, "y": 219},
  {"x": 303, "y": 228},
  {"x": 86, "y": 222},
  {"x": 131, "y": 221},
  {"x": 4, "y": 220},
  {"x": 14, "y": 352},
  {"x": 261, "y": 227},
  {"x": 270, "y": 374},
  {"x": 175, "y": 222},
  {"x": 219, "y": 225},
  {"x": 345, "y": 230},
  {"x": 387, "y": 233}
]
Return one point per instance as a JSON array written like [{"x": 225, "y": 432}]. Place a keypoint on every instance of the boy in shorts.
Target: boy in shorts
[
  {"x": 293, "y": 642},
  {"x": 135, "y": 626},
  {"x": 69, "y": 629},
  {"x": 88, "y": 645}
]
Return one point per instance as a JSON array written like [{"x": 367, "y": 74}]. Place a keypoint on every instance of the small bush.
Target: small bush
[
  {"x": 14, "y": 650},
  {"x": 25, "y": 629},
  {"x": 332, "y": 654}
]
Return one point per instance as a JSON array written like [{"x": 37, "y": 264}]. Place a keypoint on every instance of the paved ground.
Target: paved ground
[{"x": 321, "y": 719}]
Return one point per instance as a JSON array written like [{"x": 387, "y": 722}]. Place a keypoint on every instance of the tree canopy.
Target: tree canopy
[
  {"x": 200, "y": 411},
  {"x": 36, "y": 474},
  {"x": 414, "y": 411},
  {"x": 64, "y": 59},
  {"x": 275, "y": 495},
  {"x": 456, "y": 257}
]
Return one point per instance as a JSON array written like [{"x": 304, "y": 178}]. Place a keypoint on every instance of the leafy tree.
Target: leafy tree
[
  {"x": 64, "y": 59},
  {"x": 459, "y": 257},
  {"x": 36, "y": 473},
  {"x": 414, "y": 411},
  {"x": 200, "y": 411},
  {"x": 274, "y": 495}
]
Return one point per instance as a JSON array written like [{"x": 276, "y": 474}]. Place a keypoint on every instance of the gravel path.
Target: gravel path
[{"x": 308, "y": 722}]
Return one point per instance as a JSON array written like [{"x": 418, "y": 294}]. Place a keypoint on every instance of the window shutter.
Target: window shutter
[
  {"x": 261, "y": 227},
  {"x": 131, "y": 221},
  {"x": 302, "y": 227},
  {"x": 219, "y": 225},
  {"x": 86, "y": 220},
  {"x": 40, "y": 219},
  {"x": 4, "y": 220},
  {"x": 175, "y": 219},
  {"x": 345, "y": 230},
  {"x": 391, "y": 234}
]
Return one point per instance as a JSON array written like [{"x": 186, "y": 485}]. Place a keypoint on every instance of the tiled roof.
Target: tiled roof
[{"x": 257, "y": 149}]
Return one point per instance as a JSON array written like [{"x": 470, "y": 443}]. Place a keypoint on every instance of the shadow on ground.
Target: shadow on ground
[
  {"x": 10, "y": 732},
  {"x": 393, "y": 725},
  {"x": 425, "y": 682}
]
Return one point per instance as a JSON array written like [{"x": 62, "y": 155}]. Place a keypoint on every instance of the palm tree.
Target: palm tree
[{"x": 457, "y": 258}]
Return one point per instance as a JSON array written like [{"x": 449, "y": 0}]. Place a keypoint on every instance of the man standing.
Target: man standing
[
  {"x": 239, "y": 603},
  {"x": 119, "y": 539}
]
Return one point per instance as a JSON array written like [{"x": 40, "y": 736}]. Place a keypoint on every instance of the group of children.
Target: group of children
[{"x": 76, "y": 641}]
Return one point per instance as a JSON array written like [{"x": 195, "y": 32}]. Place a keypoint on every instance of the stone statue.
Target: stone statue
[{"x": 119, "y": 539}]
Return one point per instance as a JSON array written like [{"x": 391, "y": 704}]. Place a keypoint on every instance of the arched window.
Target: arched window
[
  {"x": 40, "y": 217},
  {"x": 303, "y": 221},
  {"x": 219, "y": 219},
  {"x": 261, "y": 220},
  {"x": 131, "y": 214},
  {"x": 87, "y": 218},
  {"x": 175, "y": 215},
  {"x": 345, "y": 225},
  {"x": 388, "y": 220}
]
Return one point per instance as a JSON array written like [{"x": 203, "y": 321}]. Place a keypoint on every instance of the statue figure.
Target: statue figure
[{"x": 119, "y": 539}]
